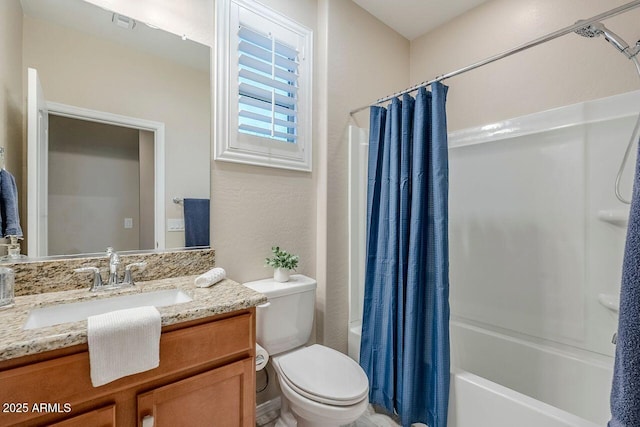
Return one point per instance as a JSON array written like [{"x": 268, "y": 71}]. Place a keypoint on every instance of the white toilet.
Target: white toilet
[{"x": 321, "y": 387}]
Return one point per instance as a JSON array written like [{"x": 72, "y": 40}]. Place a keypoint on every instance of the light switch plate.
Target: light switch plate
[
  {"x": 128, "y": 223},
  {"x": 175, "y": 224}
]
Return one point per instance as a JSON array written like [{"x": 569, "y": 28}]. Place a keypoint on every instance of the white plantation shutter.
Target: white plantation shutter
[
  {"x": 268, "y": 86},
  {"x": 263, "y": 99}
]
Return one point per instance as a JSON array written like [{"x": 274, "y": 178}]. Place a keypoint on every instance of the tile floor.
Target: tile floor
[
  {"x": 373, "y": 419},
  {"x": 368, "y": 419}
]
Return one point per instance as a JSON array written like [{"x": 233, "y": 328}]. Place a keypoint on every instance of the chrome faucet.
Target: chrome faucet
[{"x": 114, "y": 262}]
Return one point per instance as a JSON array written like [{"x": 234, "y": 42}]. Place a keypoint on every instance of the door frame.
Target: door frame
[
  {"x": 37, "y": 152},
  {"x": 71, "y": 111}
]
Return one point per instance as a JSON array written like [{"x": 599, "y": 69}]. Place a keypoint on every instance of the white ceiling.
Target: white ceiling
[{"x": 412, "y": 18}]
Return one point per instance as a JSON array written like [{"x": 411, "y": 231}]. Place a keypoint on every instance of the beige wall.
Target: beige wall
[
  {"x": 85, "y": 71},
  {"x": 564, "y": 71},
  {"x": 93, "y": 186},
  {"x": 11, "y": 107},
  {"x": 365, "y": 60}
]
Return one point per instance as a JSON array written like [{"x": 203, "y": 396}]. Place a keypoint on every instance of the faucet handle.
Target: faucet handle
[
  {"x": 114, "y": 259},
  {"x": 128, "y": 279},
  {"x": 97, "y": 278},
  {"x": 141, "y": 265}
]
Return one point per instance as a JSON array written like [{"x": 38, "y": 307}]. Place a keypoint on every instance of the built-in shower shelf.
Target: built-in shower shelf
[
  {"x": 617, "y": 217},
  {"x": 610, "y": 301}
]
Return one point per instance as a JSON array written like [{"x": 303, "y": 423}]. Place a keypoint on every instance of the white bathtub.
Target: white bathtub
[
  {"x": 476, "y": 401},
  {"x": 573, "y": 381}
]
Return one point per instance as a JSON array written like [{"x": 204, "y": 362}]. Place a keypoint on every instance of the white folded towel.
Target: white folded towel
[
  {"x": 122, "y": 343},
  {"x": 210, "y": 278}
]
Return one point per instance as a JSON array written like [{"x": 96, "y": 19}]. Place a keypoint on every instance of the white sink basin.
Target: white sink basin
[{"x": 75, "y": 311}]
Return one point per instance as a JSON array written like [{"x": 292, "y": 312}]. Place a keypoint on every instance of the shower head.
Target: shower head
[
  {"x": 598, "y": 28},
  {"x": 590, "y": 31}
]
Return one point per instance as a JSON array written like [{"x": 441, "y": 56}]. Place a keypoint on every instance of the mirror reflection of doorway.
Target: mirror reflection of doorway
[{"x": 100, "y": 187}]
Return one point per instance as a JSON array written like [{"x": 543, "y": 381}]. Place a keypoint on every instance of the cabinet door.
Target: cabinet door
[
  {"x": 222, "y": 397},
  {"x": 103, "y": 417}
]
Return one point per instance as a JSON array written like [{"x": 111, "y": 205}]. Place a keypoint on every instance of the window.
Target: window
[{"x": 263, "y": 87}]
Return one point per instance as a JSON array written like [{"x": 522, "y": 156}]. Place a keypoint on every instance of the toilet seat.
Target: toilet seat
[{"x": 324, "y": 375}]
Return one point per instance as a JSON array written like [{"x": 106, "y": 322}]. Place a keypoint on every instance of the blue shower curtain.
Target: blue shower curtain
[{"x": 405, "y": 325}]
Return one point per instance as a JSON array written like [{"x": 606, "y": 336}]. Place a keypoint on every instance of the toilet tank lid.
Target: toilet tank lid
[{"x": 270, "y": 288}]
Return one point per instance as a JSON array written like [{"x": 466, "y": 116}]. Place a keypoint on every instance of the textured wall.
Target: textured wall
[
  {"x": 564, "y": 71},
  {"x": 365, "y": 60}
]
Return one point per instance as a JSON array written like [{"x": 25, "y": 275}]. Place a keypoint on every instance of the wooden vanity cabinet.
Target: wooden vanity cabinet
[
  {"x": 206, "y": 377},
  {"x": 200, "y": 401}
]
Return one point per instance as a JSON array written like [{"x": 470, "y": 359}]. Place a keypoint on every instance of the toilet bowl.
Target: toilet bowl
[{"x": 321, "y": 387}]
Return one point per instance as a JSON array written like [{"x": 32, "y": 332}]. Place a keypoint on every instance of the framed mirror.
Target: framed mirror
[{"x": 125, "y": 111}]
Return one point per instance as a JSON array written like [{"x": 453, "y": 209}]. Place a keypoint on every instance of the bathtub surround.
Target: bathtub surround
[
  {"x": 625, "y": 390},
  {"x": 37, "y": 277},
  {"x": 516, "y": 243},
  {"x": 405, "y": 324}
]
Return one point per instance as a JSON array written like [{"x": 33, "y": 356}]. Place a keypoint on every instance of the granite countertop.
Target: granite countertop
[{"x": 223, "y": 297}]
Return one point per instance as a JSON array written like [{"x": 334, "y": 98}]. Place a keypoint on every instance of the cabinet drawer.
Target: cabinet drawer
[{"x": 67, "y": 379}]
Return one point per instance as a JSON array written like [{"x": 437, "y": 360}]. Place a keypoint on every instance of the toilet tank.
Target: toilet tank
[{"x": 285, "y": 321}]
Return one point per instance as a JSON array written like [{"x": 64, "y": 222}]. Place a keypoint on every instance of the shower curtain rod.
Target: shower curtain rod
[{"x": 540, "y": 40}]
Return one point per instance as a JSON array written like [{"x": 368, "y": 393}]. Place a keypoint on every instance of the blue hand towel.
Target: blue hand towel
[
  {"x": 625, "y": 391},
  {"x": 196, "y": 222},
  {"x": 10, "y": 222}
]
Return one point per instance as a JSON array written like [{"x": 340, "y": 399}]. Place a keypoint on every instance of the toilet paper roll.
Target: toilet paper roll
[
  {"x": 210, "y": 278},
  {"x": 262, "y": 357}
]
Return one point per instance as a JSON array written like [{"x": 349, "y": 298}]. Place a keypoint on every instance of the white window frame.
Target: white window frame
[{"x": 238, "y": 147}]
